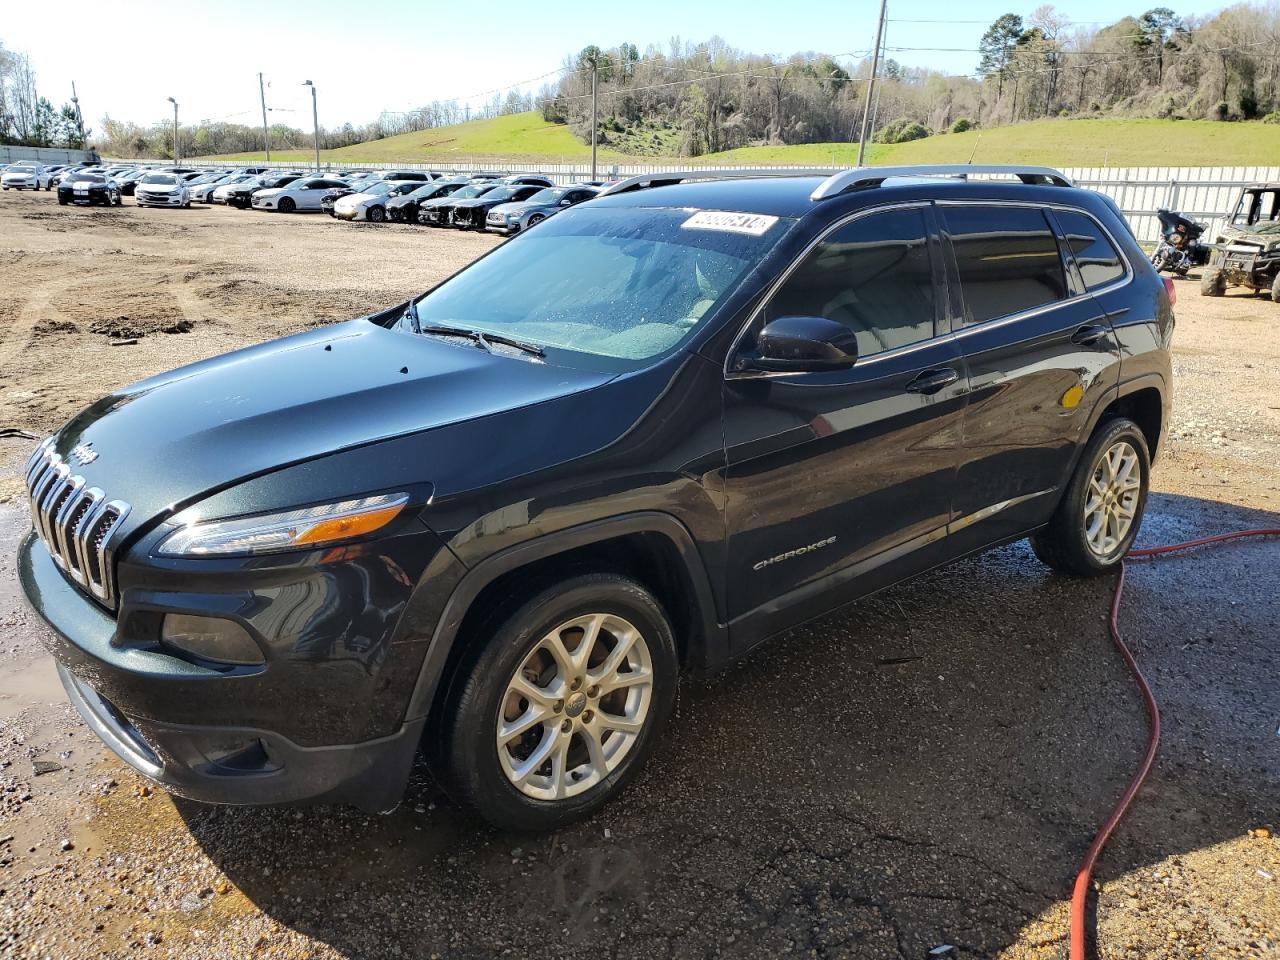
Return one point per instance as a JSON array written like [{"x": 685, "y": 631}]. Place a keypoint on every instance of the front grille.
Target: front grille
[{"x": 76, "y": 522}]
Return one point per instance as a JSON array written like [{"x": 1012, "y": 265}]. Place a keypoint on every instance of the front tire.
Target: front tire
[
  {"x": 376, "y": 214},
  {"x": 1101, "y": 510},
  {"x": 1275, "y": 289},
  {"x": 560, "y": 705},
  {"x": 285, "y": 205},
  {"x": 1212, "y": 283}
]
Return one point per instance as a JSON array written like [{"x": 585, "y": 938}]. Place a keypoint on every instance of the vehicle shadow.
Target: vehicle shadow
[{"x": 924, "y": 768}]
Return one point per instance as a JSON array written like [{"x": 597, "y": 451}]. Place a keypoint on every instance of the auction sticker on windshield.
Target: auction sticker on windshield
[{"x": 752, "y": 224}]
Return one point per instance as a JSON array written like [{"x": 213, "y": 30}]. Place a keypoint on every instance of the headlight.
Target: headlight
[{"x": 287, "y": 530}]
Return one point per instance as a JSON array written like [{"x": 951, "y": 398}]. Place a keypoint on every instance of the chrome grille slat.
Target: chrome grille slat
[{"x": 76, "y": 522}]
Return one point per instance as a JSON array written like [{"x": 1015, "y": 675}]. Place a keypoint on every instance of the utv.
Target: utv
[{"x": 1247, "y": 247}]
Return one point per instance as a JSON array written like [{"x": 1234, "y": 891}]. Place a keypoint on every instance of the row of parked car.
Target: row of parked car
[{"x": 495, "y": 202}]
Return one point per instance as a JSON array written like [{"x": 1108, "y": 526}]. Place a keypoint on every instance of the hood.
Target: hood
[
  {"x": 165, "y": 442},
  {"x": 268, "y": 191},
  {"x": 477, "y": 202},
  {"x": 515, "y": 207},
  {"x": 353, "y": 200}
]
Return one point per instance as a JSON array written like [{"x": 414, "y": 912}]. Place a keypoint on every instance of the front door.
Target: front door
[{"x": 837, "y": 480}]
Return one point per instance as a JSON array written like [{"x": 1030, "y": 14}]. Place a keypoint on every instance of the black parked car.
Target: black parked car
[
  {"x": 404, "y": 208},
  {"x": 88, "y": 189},
  {"x": 438, "y": 212},
  {"x": 498, "y": 521},
  {"x": 515, "y": 216},
  {"x": 241, "y": 195},
  {"x": 470, "y": 214}
]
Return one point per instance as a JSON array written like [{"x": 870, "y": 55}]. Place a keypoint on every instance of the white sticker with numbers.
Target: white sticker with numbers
[{"x": 752, "y": 224}]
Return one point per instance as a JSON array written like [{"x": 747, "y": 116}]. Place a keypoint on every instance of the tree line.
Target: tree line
[
  {"x": 26, "y": 117},
  {"x": 692, "y": 99}
]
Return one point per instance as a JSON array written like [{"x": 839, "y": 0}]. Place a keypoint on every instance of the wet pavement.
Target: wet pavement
[{"x": 921, "y": 770}]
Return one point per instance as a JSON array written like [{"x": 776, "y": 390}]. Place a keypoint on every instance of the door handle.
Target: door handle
[
  {"x": 931, "y": 381},
  {"x": 1090, "y": 334}
]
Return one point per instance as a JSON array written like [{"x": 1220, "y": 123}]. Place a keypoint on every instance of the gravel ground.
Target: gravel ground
[{"x": 923, "y": 770}]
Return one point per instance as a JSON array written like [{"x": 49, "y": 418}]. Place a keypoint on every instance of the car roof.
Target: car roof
[{"x": 773, "y": 196}]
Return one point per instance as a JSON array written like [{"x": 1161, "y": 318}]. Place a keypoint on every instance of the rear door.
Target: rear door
[
  {"x": 1040, "y": 353},
  {"x": 839, "y": 480}
]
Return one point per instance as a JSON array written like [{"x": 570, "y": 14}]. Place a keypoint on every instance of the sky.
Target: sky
[{"x": 395, "y": 54}]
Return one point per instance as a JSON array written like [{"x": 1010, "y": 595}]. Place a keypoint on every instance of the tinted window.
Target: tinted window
[
  {"x": 1008, "y": 260},
  {"x": 1098, "y": 260},
  {"x": 873, "y": 276}
]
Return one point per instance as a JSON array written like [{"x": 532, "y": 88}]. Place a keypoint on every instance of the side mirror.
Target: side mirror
[
  {"x": 566, "y": 203},
  {"x": 797, "y": 344}
]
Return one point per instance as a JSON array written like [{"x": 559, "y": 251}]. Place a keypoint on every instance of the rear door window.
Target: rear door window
[
  {"x": 1097, "y": 259},
  {"x": 874, "y": 275},
  {"x": 1007, "y": 258}
]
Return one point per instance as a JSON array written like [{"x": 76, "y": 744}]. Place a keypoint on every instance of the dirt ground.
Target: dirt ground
[{"x": 922, "y": 770}]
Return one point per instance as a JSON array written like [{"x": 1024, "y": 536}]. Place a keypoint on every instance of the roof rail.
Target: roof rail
[
  {"x": 646, "y": 180},
  {"x": 873, "y": 176}
]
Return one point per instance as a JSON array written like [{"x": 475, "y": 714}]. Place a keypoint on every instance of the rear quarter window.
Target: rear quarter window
[
  {"x": 1008, "y": 260},
  {"x": 1097, "y": 259}
]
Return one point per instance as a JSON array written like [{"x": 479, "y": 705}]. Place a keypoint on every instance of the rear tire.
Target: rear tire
[
  {"x": 1212, "y": 283},
  {"x": 568, "y": 711},
  {"x": 1101, "y": 510}
]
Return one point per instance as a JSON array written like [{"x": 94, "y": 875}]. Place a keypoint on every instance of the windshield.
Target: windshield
[
  {"x": 379, "y": 189},
  {"x": 1257, "y": 206},
  {"x": 21, "y": 170},
  {"x": 472, "y": 190},
  {"x": 624, "y": 283},
  {"x": 501, "y": 193},
  {"x": 165, "y": 178},
  {"x": 430, "y": 189},
  {"x": 549, "y": 195}
]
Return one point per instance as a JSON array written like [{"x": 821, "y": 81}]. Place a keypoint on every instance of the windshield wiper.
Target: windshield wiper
[
  {"x": 411, "y": 314},
  {"x": 485, "y": 340}
]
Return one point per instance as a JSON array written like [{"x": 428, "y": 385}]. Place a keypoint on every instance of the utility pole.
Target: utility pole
[
  {"x": 871, "y": 84},
  {"x": 315, "y": 120},
  {"x": 266, "y": 131},
  {"x": 595, "y": 118},
  {"x": 176, "y": 154},
  {"x": 79, "y": 116}
]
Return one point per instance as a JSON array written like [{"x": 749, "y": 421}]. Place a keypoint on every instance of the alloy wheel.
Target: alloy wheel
[
  {"x": 1111, "y": 500},
  {"x": 575, "y": 707}
]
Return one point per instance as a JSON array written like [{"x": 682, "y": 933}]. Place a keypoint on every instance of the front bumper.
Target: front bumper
[
  {"x": 199, "y": 732},
  {"x": 348, "y": 213},
  {"x": 158, "y": 200}
]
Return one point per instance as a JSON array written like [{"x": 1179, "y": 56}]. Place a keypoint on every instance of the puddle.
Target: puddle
[{"x": 34, "y": 684}]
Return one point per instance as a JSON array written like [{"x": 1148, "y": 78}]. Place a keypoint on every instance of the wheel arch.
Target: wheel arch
[{"x": 652, "y": 547}]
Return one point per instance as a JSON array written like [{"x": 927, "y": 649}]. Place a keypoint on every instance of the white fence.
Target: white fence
[
  {"x": 1202, "y": 193},
  {"x": 9, "y": 154}
]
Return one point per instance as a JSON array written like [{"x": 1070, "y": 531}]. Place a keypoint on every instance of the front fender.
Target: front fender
[{"x": 454, "y": 609}]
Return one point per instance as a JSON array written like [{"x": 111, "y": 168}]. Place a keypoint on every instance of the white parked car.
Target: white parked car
[
  {"x": 26, "y": 176},
  {"x": 203, "y": 192},
  {"x": 162, "y": 190},
  {"x": 371, "y": 204},
  {"x": 302, "y": 194}
]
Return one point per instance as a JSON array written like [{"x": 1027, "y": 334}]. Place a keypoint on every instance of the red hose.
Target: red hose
[{"x": 1080, "y": 895}]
